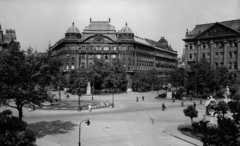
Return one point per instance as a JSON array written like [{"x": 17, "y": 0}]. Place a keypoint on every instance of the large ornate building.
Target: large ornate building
[
  {"x": 100, "y": 40},
  {"x": 7, "y": 38},
  {"x": 218, "y": 43}
]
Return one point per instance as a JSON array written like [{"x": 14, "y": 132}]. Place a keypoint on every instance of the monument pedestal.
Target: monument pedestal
[
  {"x": 89, "y": 89},
  {"x": 129, "y": 90},
  {"x": 169, "y": 95}
]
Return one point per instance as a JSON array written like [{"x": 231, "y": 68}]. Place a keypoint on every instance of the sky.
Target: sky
[{"x": 38, "y": 22}]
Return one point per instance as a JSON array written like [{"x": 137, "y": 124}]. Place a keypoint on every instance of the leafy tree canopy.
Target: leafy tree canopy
[{"x": 25, "y": 77}]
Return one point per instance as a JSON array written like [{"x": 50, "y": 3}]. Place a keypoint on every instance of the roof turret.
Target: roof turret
[
  {"x": 126, "y": 29},
  {"x": 73, "y": 29}
]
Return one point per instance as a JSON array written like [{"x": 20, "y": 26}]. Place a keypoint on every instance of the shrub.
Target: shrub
[
  {"x": 200, "y": 127},
  {"x": 220, "y": 93},
  {"x": 97, "y": 92},
  {"x": 223, "y": 107},
  {"x": 236, "y": 97},
  {"x": 234, "y": 89},
  {"x": 163, "y": 95},
  {"x": 191, "y": 112},
  {"x": 14, "y": 131}
]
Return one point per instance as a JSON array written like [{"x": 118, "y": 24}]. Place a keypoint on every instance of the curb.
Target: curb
[
  {"x": 180, "y": 138},
  {"x": 116, "y": 106}
]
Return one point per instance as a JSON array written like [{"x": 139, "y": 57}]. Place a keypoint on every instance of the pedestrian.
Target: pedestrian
[
  {"x": 182, "y": 105},
  {"x": 142, "y": 98},
  {"x": 194, "y": 104},
  {"x": 137, "y": 99},
  {"x": 163, "y": 107},
  {"x": 107, "y": 103},
  {"x": 89, "y": 108}
]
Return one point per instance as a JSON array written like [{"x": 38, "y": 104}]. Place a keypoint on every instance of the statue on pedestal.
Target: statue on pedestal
[
  {"x": 227, "y": 95},
  {"x": 88, "y": 89}
]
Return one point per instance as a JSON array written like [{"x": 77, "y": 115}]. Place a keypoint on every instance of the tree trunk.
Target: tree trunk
[{"x": 20, "y": 113}]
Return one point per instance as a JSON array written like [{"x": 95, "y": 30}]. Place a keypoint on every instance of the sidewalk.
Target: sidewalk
[{"x": 173, "y": 131}]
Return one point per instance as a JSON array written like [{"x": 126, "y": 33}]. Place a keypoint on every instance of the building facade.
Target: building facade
[
  {"x": 100, "y": 40},
  {"x": 218, "y": 43},
  {"x": 7, "y": 38}
]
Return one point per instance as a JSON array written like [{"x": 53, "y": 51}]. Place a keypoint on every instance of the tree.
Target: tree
[
  {"x": 235, "y": 89},
  {"x": 191, "y": 112},
  {"x": 202, "y": 75},
  {"x": 153, "y": 78},
  {"x": 25, "y": 77},
  {"x": 107, "y": 75},
  {"x": 177, "y": 77},
  {"x": 14, "y": 131},
  {"x": 220, "y": 93},
  {"x": 223, "y": 107},
  {"x": 101, "y": 70},
  {"x": 222, "y": 77}
]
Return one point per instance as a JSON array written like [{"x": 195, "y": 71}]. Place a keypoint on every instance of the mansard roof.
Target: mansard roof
[
  {"x": 99, "y": 26},
  {"x": 233, "y": 25},
  {"x": 153, "y": 43}
]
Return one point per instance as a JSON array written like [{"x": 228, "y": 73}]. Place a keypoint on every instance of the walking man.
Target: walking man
[
  {"x": 194, "y": 104},
  {"x": 163, "y": 107},
  {"x": 142, "y": 98},
  {"x": 182, "y": 105},
  {"x": 137, "y": 99}
]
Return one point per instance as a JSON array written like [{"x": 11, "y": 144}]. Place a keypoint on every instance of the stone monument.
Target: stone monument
[
  {"x": 88, "y": 89},
  {"x": 169, "y": 93}
]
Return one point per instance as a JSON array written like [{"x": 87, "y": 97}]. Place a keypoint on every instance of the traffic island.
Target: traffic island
[{"x": 73, "y": 105}]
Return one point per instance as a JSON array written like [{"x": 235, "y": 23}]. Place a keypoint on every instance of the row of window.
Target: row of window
[
  {"x": 99, "y": 48},
  {"x": 219, "y": 44},
  {"x": 231, "y": 54},
  {"x": 231, "y": 65},
  {"x": 90, "y": 56}
]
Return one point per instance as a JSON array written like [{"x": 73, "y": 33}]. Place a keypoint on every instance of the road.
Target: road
[{"x": 130, "y": 123}]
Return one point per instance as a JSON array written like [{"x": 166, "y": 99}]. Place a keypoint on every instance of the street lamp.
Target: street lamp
[
  {"x": 113, "y": 99},
  {"x": 92, "y": 87},
  {"x": 79, "y": 101},
  {"x": 59, "y": 93},
  {"x": 88, "y": 123}
]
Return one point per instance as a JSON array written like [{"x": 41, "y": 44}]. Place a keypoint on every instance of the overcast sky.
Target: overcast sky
[{"x": 39, "y": 21}]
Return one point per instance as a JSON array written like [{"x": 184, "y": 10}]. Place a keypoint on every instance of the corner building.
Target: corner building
[
  {"x": 100, "y": 40},
  {"x": 7, "y": 38},
  {"x": 218, "y": 43}
]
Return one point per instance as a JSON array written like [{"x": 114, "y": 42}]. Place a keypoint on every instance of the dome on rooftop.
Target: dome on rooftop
[
  {"x": 73, "y": 29},
  {"x": 126, "y": 29}
]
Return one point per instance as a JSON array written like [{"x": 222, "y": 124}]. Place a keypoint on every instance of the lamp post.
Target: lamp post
[
  {"x": 112, "y": 98},
  {"x": 59, "y": 87},
  {"x": 88, "y": 123},
  {"x": 59, "y": 93},
  {"x": 79, "y": 101},
  {"x": 92, "y": 87}
]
